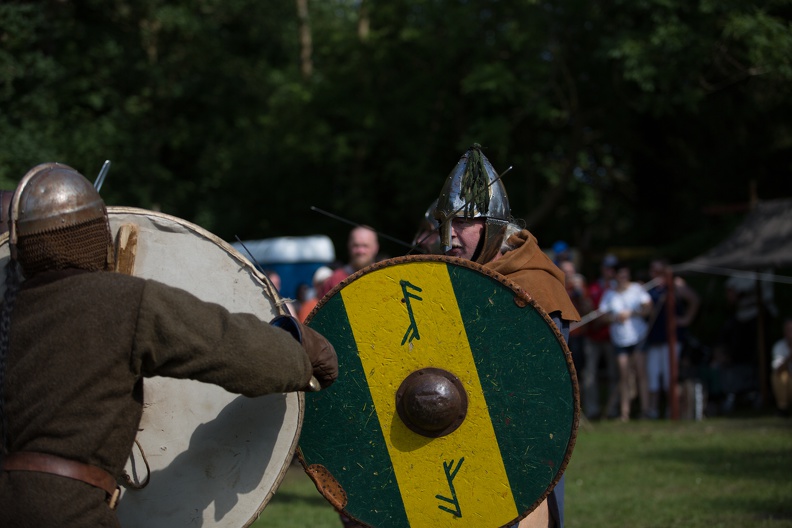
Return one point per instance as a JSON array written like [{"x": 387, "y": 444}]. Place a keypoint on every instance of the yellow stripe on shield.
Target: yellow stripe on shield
[{"x": 403, "y": 322}]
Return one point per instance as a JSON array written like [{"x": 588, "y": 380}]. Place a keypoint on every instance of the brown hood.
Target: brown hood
[{"x": 529, "y": 267}]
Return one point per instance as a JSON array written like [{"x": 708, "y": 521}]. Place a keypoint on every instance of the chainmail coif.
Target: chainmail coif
[{"x": 83, "y": 246}]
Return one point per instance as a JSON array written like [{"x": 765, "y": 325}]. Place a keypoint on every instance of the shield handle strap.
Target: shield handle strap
[
  {"x": 126, "y": 248},
  {"x": 126, "y": 244},
  {"x": 327, "y": 485}
]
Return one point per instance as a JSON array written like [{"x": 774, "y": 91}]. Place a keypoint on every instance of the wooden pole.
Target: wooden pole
[
  {"x": 760, "y": 344},
  {"x": 671, "y": 334},
  {"x": 306, "y": 41}
]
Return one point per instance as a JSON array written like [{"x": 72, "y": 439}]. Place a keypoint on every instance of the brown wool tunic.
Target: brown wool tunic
[
  {"x": 81, "y": 344},
  {"x": 529, "y": 267}
]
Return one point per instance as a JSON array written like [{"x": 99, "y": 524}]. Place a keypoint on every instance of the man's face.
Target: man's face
[
  {"x": 623, "y": 276},
  {"x": 363, "y": 247},
  {"x": 657, "y": 270},
  {"x": 569, "y": 270},
  {"x": 465, "y": 237}
]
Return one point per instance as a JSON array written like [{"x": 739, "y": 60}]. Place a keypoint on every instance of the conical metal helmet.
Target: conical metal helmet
[
  {"x": 427, "y": 238},
  {"x": 474, "y": 190},
  {"x": 58, "y": 220}
]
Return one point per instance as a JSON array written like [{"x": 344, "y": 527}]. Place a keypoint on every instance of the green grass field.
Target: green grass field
[{"x": 725, "y": 472}]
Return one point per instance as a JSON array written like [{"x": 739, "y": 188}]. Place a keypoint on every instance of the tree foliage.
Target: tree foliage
[{"x": 622, "y": 119}]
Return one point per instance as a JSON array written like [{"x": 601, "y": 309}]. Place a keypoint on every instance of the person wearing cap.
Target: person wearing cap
[
  {"x": 321, "y": 274},
  {"x": 76, "y": 341},
  {"x": 475, "y": 222},
  {"x": 561, "y": 252}
]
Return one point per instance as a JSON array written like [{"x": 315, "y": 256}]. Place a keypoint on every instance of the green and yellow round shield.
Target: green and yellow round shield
[{"x": 456, "y": 404}]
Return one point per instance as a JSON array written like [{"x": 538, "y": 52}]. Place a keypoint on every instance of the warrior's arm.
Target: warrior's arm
[{"x": 180, "y": 336}]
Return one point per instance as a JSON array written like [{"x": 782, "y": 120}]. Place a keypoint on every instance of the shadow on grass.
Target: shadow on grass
[
  {"x": 766, "y": 509},
  {"x": 750, "y": 463},
  {"x": 756, "y": 480}
]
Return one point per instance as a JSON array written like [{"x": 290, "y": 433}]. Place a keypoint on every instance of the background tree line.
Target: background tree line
[{"x": 626, "y": 122}]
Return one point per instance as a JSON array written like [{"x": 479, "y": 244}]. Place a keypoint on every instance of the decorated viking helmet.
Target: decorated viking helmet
[
  {"x": 474, "y": 190},
  {"x": 59, "y": 221}
]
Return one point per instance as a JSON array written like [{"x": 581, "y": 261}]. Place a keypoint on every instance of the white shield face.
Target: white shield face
[{"x": 215, "y": 458}]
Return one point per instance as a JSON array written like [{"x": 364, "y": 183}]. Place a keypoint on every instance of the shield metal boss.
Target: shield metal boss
[
  {"x": 203, "y": 456},
  {"x": 456, "y": 403}
]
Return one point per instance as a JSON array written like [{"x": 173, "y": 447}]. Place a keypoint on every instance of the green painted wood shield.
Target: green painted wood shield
[{"x": 456, "y": 404}]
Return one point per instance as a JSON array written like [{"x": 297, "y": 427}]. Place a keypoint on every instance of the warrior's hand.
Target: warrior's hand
[
  {"x": 320, "y": 350},
  {"x": 323, "y": 356}
]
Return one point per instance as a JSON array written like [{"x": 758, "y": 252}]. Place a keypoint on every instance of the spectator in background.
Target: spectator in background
[
  {"x": 305, "y": 292},
  {"x": 625, "y": 307},
  {"x": 741, "y": 330},
  {"x": 781, "y": 376},
  {"x": 275, "y": 279},
  {"x": 576, "y": 289},
  {"x": 598, "y": 347},
  {"x": 561, "y": 252},
  {"x": 739, "y": 338},
  {"x": 320, "y": 275},
  {"x": 363, "y": 246},
  {"x": 656, "y": 345}
]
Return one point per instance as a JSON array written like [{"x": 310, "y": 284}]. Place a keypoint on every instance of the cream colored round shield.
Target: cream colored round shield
[
  {"x": 214, "y": 458},
  {"x": 203, "y": 456}
]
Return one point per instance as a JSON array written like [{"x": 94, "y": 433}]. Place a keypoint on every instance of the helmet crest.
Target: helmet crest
[{"x": 475, "y": 184}]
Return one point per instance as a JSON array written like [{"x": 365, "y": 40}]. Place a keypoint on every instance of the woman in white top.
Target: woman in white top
[{"x": 625, "y": 308}]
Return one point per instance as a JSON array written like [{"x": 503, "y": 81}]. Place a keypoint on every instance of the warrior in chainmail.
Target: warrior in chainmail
[{"x": 76, "y": 340}]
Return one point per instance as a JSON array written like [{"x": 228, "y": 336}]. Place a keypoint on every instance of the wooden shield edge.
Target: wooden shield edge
[{"x": 334, "y": 492}]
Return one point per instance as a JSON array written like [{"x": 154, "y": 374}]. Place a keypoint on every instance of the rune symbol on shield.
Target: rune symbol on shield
[{"x": 412, "y": 330}]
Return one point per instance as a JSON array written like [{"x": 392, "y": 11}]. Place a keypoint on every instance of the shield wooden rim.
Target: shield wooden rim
[
  {"x": 294, "y": 401},
  {"x": 334, "y": 492}
]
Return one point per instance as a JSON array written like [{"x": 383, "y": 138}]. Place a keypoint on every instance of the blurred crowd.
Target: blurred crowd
[
  {"x": 621, "y": 349},
  {"x": 636, "y": 356}
]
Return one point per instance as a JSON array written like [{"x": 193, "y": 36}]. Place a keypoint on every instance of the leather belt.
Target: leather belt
[{"x": 55, "y": 465}]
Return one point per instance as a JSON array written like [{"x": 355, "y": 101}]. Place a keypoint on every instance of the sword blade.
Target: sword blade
[{"x": 102, "y": 175}]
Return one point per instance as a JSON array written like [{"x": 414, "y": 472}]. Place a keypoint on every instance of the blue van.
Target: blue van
[{"x": 295, "y": 259}]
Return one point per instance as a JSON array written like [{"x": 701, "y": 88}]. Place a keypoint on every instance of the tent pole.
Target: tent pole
[
  {"x": 760, "y": 344},
  {"x": 671, "y": 336}
]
